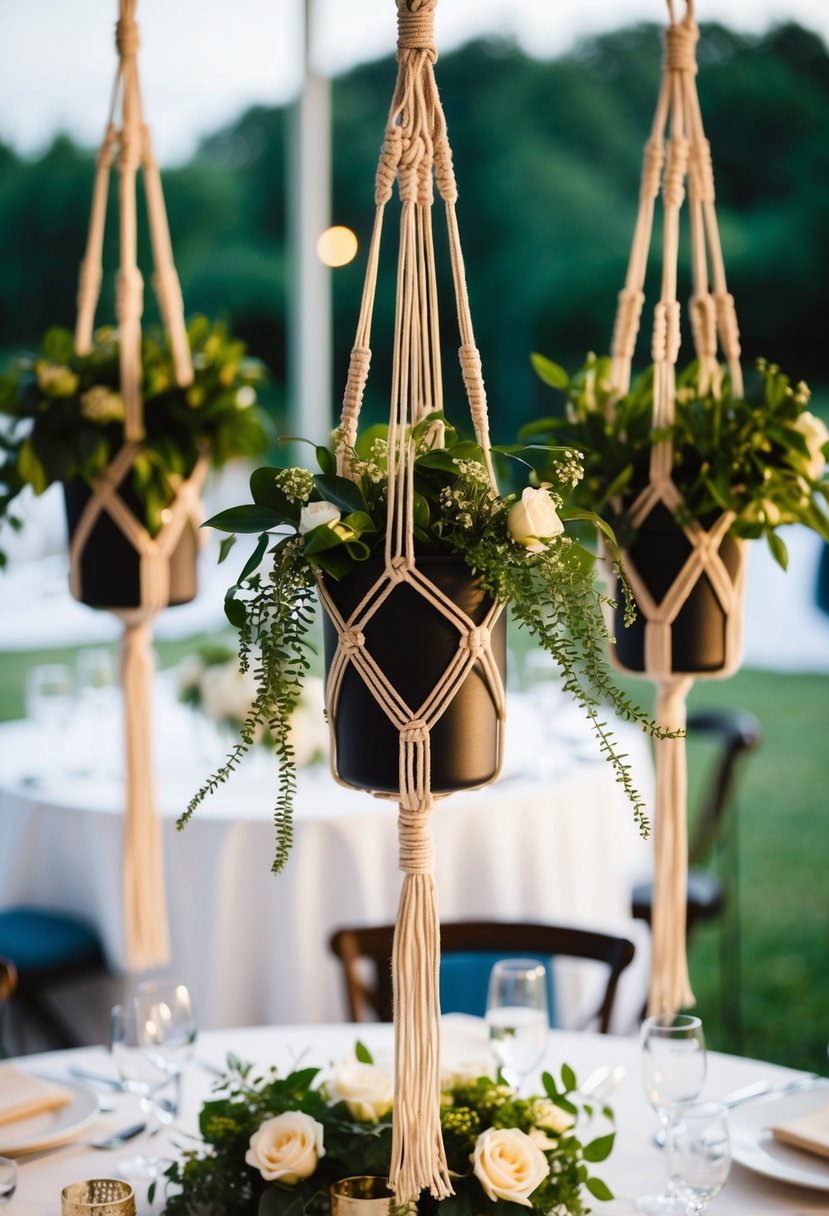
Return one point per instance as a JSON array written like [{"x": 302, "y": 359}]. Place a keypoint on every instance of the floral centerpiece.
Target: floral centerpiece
[
  {"x": 761, "y": 455},
  {"x": 210, "y": 681},
  {"x": 273, "y": 1145},
  {"x": 519, "y": 544},
  {"x": 65, "y": 415}
]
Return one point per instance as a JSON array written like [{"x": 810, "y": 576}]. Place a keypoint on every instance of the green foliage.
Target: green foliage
[
  {"x": 762, "y": 456},
  {"x": 66, "y": 414},
  {"x": 216, "y": 1175}
]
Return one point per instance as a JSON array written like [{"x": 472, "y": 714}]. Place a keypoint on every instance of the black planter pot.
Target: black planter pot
[
  {"x": 110, "y": 566},
  {"x": 414, "y": 644},
  {"x": 699, "y": 634}
]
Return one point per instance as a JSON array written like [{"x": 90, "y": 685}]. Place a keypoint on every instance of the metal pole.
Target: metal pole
[{"x": 309, "y": 211}]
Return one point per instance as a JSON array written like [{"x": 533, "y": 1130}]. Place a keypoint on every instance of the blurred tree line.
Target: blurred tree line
[{"x": 548, "y": 159}]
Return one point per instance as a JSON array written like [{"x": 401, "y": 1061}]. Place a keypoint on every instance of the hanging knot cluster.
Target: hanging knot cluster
[
  {"x": 127, "y": 138},
  {"x": 677, "y": 163},
  {"x": 415, "y": 153}
]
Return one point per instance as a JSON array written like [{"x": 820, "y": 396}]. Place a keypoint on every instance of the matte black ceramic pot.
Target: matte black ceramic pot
[
  {"x": 110, "y": 566},
  {"x": 414, "y": 644},
  {"x": 698, "y": 635}
]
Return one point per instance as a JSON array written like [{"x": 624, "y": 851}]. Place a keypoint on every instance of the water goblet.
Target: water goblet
[
  {"x": 141, "y": 1076},
  {"x": 673, "y": 1070},
  {"x": 8, "y": 1180},
  {"x": 518, "y": 1016},
  {"x": 699, "y": 1152},
  {"x": 167, "y": 1026}
]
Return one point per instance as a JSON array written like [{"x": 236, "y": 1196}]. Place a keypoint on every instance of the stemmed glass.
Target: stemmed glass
[
  {"x": 518, "y": 1016},
  {"x": 699, "y": 1152},
  {"x": 8, "y": 1180},
  {"x": 167, "y": 1026},
  {"x": 673, "y": 1070},
  {"x": 141, "y": 1076}
]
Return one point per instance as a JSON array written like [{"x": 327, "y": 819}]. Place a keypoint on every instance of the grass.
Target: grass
[{"x": 783, "y": 890}]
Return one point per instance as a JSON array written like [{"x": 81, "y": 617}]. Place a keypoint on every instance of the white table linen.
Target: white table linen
[
  {"x": 253, "y": 946},
  {"x": 635, "y": 1167}
]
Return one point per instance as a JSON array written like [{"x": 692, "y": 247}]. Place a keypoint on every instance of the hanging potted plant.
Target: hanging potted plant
[
  {"x": 749, "y": 464},
  {"x": 66, "y": 425}
]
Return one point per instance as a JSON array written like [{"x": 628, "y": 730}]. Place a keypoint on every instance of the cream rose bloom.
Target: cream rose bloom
[
  {"x": 368, "y": 1091},
  {"x": 227, "y": 692},
  {"x": 286, "y": 1147},
  {"x": 314, "y": 514},
  {"x": 508, "y": 1164},
  {"x": 550, "y": 1117},
  {"x": 815, "y": 433},
  {"x": 533, "y": 520}
]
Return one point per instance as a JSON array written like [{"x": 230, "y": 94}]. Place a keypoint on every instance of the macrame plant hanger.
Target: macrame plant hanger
[
  {"x": 678, "y": 152},
  {"x": 145, "y": 916},
  {"x": 415, "y": 151}
]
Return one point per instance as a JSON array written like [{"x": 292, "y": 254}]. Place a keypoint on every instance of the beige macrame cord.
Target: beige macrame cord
[
  {"x": 416, "y": 152},
  {"x": 677, "y": 154},
  {"x": 144, "y": 899}
]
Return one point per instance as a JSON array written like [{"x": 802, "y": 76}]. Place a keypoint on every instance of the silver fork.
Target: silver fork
[{"x": 112, "y": 1141}]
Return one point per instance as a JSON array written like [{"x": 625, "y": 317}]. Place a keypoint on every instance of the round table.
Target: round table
[
  {"x": 553, "y": 840},
  {"x": 635, "y": 1166}
]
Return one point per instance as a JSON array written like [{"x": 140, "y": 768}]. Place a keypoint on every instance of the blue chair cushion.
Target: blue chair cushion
[
  {"x": 464, "y": 980},
  {"x": 37, "y": 939}
]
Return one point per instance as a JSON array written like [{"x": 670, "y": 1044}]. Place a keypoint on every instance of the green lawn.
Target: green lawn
[{"x": 783, "y": 854}]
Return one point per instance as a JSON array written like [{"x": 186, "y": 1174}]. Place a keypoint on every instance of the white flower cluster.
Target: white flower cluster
[
  {"x": 56, "y": 379},
  {"x": 296, "y": 484},
  {"x": 473, "y": 471},
  {"x": 570, "y": 468},
  {"x": 457, "y": 506},
  {"x": 102, "y": 405}
]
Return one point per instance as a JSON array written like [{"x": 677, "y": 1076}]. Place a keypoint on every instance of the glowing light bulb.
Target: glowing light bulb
[{"x": 337, "y": 246}]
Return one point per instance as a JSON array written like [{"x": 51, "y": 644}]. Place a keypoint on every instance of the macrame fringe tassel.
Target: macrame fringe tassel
[
  {"x": 670, "y": 988},
  {"x": 418, "y": 1159},
  {"x": 145, "y": 906}
]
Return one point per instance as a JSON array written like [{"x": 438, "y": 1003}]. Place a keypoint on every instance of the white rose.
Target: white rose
[
  {"x": 508, "y": 1164},
  {"x": 368, "y": 1091},
  {"x": 286, "y": 1147},
  {"x": 815, "y": 433},
  {"x": 534, "y": 520},
  {"x": 550, "y": 1117},
  {"x": 314, "y": 514},
  {"x": 226, "y": 692}
]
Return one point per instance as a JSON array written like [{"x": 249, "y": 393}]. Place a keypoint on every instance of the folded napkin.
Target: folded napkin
[
  {"x": 22, "y": 1095},
  {"x": 809, "y": 1132}
]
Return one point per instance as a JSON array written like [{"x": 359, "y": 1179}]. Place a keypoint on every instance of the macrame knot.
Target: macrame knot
[
  {"x": 396, "y": 570},
  {"x": 676, "y": 166},
  {"x": 107, "y": 149},
  {"x": 652, "y": 169},
  {"x": 416, "y": 730},
  {"x": 704, "y": 323},
  {"x": 127, "y": 39},
  {"x": 352, "y": 640},
  {"x": 681, "y": 47},
  {"x": 445, "y": 170},
  {"x": 626, "y": 326},
  {"x": 727, "y": 323},
  {"x": 659, "y": 341},
  {"x": 390, "y": 154},
  {"x": 474, "y": 383},
  {"x": 414, "y": 834},
  {"x": 475, "y": 640},
  {"x": 416, "y": 29},
  {"x": 702, "y": 170},
  {"x": 408, "y": 171}
]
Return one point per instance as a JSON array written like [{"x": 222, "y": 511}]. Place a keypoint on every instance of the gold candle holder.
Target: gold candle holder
[
  {"x": 98, "y": 1197},
  {"x": 362, "y": 1195}
]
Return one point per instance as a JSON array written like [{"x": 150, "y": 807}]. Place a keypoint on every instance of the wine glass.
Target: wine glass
[
  {"x": 49, "y": 704},
  {"x": 167, "y": 1025},
  {"x": 699, "y": 1152},
  {"x": 673, "y": 1070},
  {"x": 141, "y": 1076},
  {"x": 518, "y": 1016},
  {"x": 8, "y": 1180}
]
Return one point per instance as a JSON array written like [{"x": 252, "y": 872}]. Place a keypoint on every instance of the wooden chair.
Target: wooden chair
[
  {"x": 736, "y": 734},
  {"x": 47, "y": 948},
  {"x": 359, "y": 946}
]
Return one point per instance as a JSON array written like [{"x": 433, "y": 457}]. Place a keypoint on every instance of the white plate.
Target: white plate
[
  {"x": 753, "y": 1145},
  {"x": 52, "y": 1127}
]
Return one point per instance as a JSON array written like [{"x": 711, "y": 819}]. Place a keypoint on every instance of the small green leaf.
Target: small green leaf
[
  {"x": 599, "y": 1149},
  {"x": 362, "y": 1053},
  {"x": 234, "y": 609},
  {"x": 778, "y": 550},
  {"x": 551, "y": 373},
  {"x": 568, "y": 1078},
  {"x": 31, "y": 469},
  {"x": 549, "y": 1084},
  {"x": 326, "y": 460},
  {"x": 253, "y": 562},
  {"x": 598, "y": 1189},
  {"x": 226, "y": 545},
  {"x": 247, "y": 518},
  {"x": 341, "y": 492},
  {"x": 321, "y": 538},
  {"x": 266, "y": 493}
]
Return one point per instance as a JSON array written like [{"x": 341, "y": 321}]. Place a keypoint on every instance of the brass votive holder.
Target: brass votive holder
[
  {"x": 362, "y": 1195},
  {"x": 98, "y": 1197}
]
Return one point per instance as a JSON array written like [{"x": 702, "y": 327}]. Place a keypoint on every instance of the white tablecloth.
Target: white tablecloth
[
  {"x": 253, "y": 946},
  {"x": 635, "y": 1167}
]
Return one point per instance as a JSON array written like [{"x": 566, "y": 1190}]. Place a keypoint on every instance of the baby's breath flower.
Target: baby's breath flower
[
  {"x": 102, "y": 405},
  {"x": 296, "y": 484}
]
